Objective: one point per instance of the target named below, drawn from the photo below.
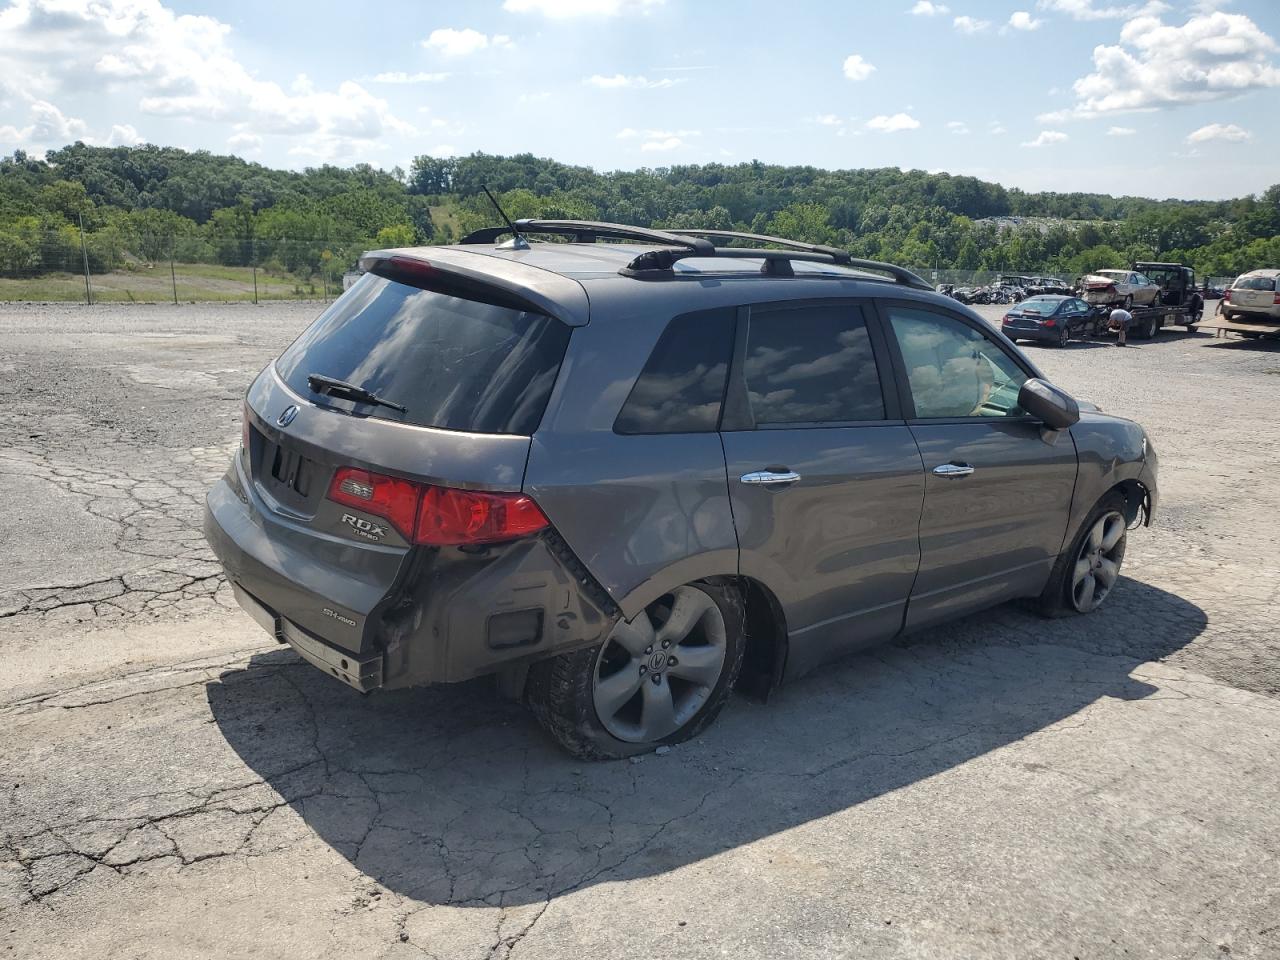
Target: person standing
(1120, 321)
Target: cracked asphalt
(174, 784)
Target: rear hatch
(333, 483)
(1254, 292)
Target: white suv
(1255, 295)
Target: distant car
(1050, 285)
(1253, 296)
(1047, 319)
(1127, 288)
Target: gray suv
(629, 470)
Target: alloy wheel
(655, 672)
(1098, 562)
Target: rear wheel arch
(765, 628)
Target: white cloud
(892, 124)
(400, 77)
(48, 127)
(1120, 131)
(828, 120)
(176, 65)
(996, 128)
(620, 81)
(1087, 10)
(443, 150)
(1021, 20)
(566, 9)
(971, 25)
(123, 135)
(462, 43)
(925, 8)
(245, 140)
(855, 68)
(958, 127)
(1220, 131)
(658, 141)
(1047, 137)
(1211, 57)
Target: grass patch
(195, 281)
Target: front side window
(812, 364)
(952, 369)
(681, 388)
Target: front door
(825, 479)
(997, 493)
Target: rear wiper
(333, 387)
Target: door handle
(770, 477)
(952, 471)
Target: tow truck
(1178, 303)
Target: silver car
(632, 471)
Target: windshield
(450, 362)
(1255, 283)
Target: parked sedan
(1049, 319)
(1126, 288)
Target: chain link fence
(107, 266)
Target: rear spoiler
(502, 283)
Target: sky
(1162, 99)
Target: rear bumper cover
(439, 615)
(1031, 333)
(364, 674)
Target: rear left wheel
(659, 678)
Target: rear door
(997, 495)
(825, 479)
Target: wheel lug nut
(672, 662)
(643, 670)
(665, 644)
(657, 678)
(648, 649)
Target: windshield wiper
(331, 386)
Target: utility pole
(173, 276)
(84, 252)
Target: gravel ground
(173, 784)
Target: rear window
(1255, 283)
(1038, 305)
(450, 362)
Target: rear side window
(681, 389)
(813, 364)
(450, 362)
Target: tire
(1063, 337)
(572, 696)
(1148, 330)
(1063, 593)
(1128, 302)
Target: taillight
(438, 516)
(1049, 322)
(389, 497)
(1005, 318)
(1226, 295)
(1276, 301)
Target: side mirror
(1056, 408)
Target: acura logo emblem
(287, 416)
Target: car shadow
(1268, 343)
(450, 796)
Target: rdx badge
(365, 528)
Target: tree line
(148, 203)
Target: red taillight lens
(1276, 301)
(1049, 322)
(438, 516)
(450, 516)
(389, 497)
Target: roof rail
(841, 257)
(694, 243)
(589, 231)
